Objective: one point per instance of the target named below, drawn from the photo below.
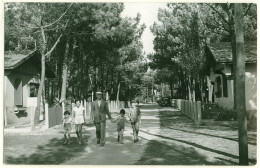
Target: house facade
(21, 82)
(220, 74)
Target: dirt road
(167, 137)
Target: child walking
(78, 119)
(121, 119)
(135, 118)
(67, 126)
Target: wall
(227, 102)
(9, 92)
(10, 79)
(18, 119)
(251, 86)
(26, 73)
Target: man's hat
(98, 92)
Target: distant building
(220, 80)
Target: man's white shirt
(99, 102)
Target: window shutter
(225, 89)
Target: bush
(214, 111)
(226, 115)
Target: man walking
(99, 110)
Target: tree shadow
(55, 152)
(251, 137)
(253, 161)
(167, 119)
(162, 153)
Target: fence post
(89, 109)
(195, 111)
(187, 107)
(85, 106)
(184, 107)
(47, 115)
(191, 111)
(199, 112)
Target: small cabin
(220, 74)
(21, 81)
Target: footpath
(167, 137)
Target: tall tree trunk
(240, 86)
(130, 91)
(64, 74)
(118, 90)
(102, 76)
(112, 82)
(107, 79)
(171, 89)
(233, 47)
(38, 109)
(189, 88)
(193, 90)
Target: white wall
(9, 92)
(226, 102)
(250, 88)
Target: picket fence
(191, 109)
(53, 116)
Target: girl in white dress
(79, 119)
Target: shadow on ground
(159, 152)
(168, 118)
(162, 153)
(52, 153)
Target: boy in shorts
(67, 126)
(135, 118)
(121, 119)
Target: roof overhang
(35, 56)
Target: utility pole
(240, 86)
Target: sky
(148, 13)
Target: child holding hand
(121, 119)
(67, 121)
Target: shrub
(226, 115)
(214, 111)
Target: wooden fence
(53, 116)
(192, 110)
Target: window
(225, 89)
(34, 89)
(218, 90)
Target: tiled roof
(222, 52)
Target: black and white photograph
(159, 83)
